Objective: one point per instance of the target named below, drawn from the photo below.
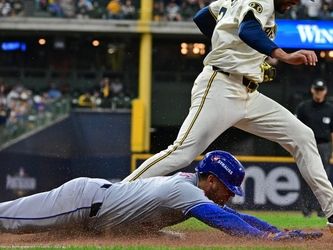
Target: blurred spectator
(39, 102)
(17, 7)
(83, 8)
(86, 100)
(98, 10)
(117, 87)
(19, 102)
(54, 92)
(170, 10)
(42, 4)
(173, 11)
(22, 110)
(128, 10)
(189, 8)
(114, 9)
(105, 87)
(55, 9)
(119, 100)
(14, 94)
(312, 8)
(3, 104)
(5, 8)
(158, 10)
(105, 92)
(327, 10)
(68, 8)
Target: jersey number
(222, 12)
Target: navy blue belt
(95, 207)
(250, 85)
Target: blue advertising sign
(306, 34)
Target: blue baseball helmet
(225, 167)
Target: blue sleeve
(205, 22)
(250, 31)
(253, 221)
(215, 216)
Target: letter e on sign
(289, 184)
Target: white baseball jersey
(220, 101)
(229, 52)
(151, 203)
(147, 204)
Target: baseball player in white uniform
(145, 205)
(225, 94)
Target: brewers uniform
(224, 95)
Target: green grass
(292, 220)
(282, 220)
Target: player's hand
(276, 236)
(307, 57)
(299, 234)
(292, 235)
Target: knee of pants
(304, 136)
(184, 160)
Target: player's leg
(325, 152)
(64, 207)
(216, 105)
(309, 202)
(268, 119)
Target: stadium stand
(23, 110)
(164, 10)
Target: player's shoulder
(185, 185)
(175, 186)
(258, 6)
(184, 177)
(182, 180)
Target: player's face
(216, 191)
(282, 6)
(318, 94)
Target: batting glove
(276, 236)
(299, 234)
(293, 235)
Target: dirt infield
(199, 239)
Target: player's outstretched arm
(307, 57)
(254, 221)
(250, 32)
(217, 217)
(214, 216)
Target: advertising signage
(305, 34)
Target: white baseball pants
(219, 102)
(65, 207)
